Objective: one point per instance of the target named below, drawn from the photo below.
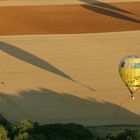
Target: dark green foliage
(28, 130)
(23, 126)
(23, 136)
(112, 136)
(27, 136)
(3, 133)
(65, 132)
(38, 137)
(4, 121)
(22, 130)
(128, 134)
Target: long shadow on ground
(109, 10)
(31, 59)
(36, 61)
(45, 106)
(106, 5)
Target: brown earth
(89, 18)
(67, 78)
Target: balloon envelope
(129, 69)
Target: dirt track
(17, 20)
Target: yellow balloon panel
(131, 77)
(132, 60)
(129, 70)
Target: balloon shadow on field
(36, 61)
(108, 10)
(48, 106)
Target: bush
(25, 126)
(22, 136)
(27, 136)
(112, 136)
(19, 129)
(65, 132)
(38, 137)
(3, 133)
(4, 121)
(128, 134)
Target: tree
(19, 129)
(4, 121)
(3, 133)
(23, 136)
(128, 134)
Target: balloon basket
(132, 97)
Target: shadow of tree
(36, 61)
(47, 106)
(106, 9)
(106, 5)
(31, 59)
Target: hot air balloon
(129, 70)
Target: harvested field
(69, 19)
(60, 63)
